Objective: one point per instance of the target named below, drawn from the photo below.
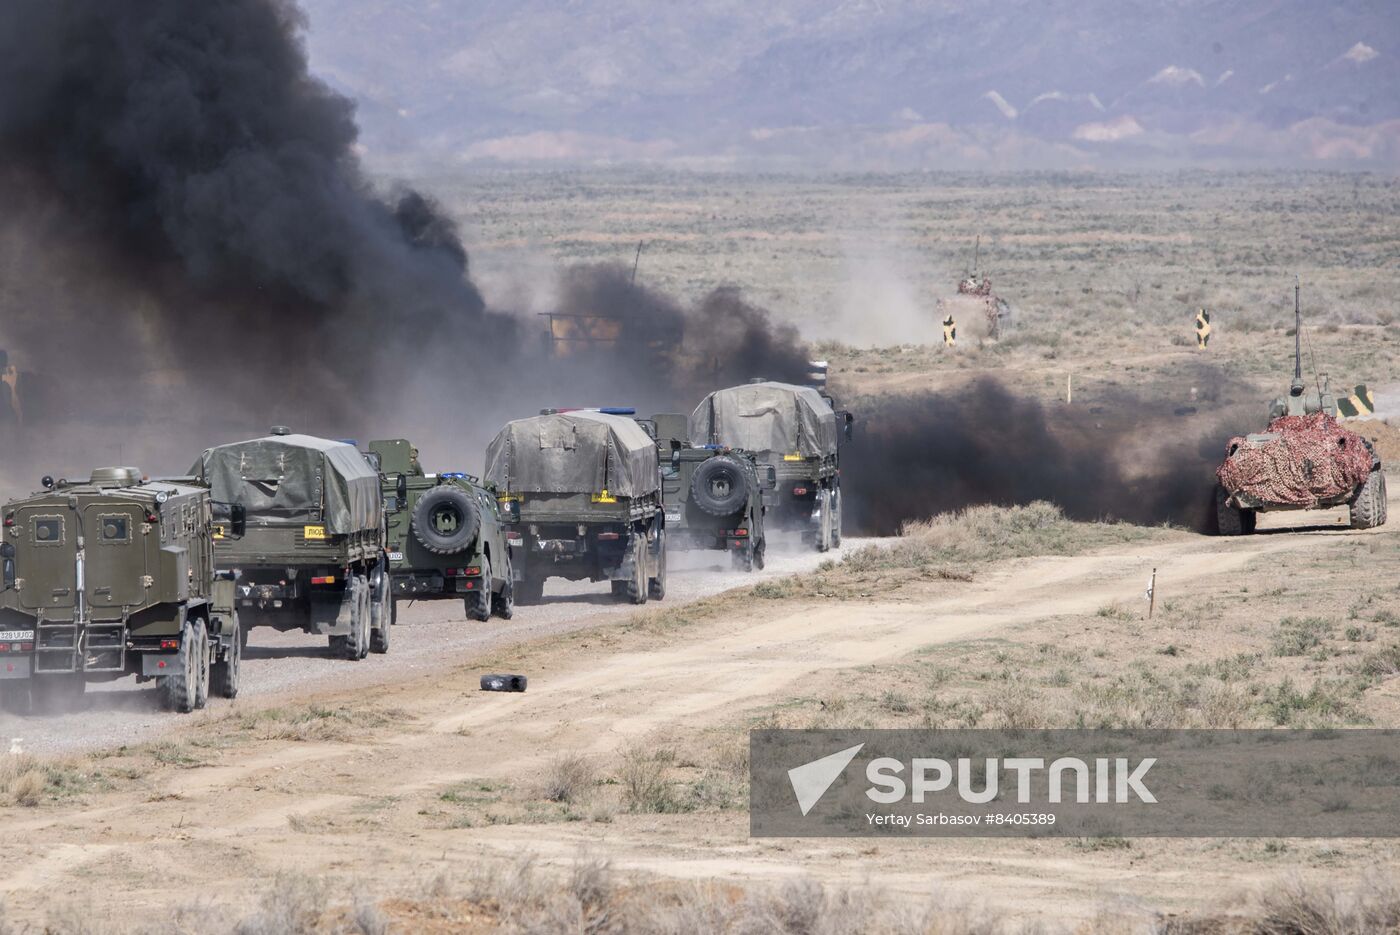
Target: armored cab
(311, 556)
(583, 491)
(444, 535)
(1303, 460)
(714, 496)
(111, 577)
(796, 431)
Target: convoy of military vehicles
(164, 579)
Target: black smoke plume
(1121, 458)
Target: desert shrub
(1296, 635)
(568, 778)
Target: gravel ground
(430, 635)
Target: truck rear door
(115, 552)
(45, 559)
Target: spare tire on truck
(719, 486)
(445, 520)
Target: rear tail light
(323, 579)
(169, 644)
(472, 571)
(799, 491)
(609, 536)
(739, 532)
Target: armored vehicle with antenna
(445, 535)
(1303, 460)
(311, 555)
(115, 576)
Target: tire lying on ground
(719, 486)
(445, 520)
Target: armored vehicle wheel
(656, 584)
(478, 602)
(529, 590)
(445, 520)
(381, 617)
(719, 486)
(1231, 520)
(1368, 507)
(504, 605)
(201, 663)
(227, 671)
(179, 691)
(58, 694)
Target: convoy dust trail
(328, 807)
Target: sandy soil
(367, 808)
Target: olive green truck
(310, 555)
(583, 491)
(110, 577)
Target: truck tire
(226, 673)
(719, 486)
(634, 589)
(445, 520)
(836, 518)
(1368, 507)
(504, 605)
(179, 691)
(824, 524)
(381, 617)
(656, 584)
(355, 645)
(58, 694)
(1231, 520)
(478, 602)
(529, 591)
(201, 667)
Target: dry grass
(569, 778)
(26, 780)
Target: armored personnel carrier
(797, 432)
(445, 536)
(311, 556)
(583, 491)
(975, 304)
(714, 496)
(115, 576)
(1303, 460)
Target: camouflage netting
(1297, 461)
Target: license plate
(673, 515)
(395, 556)
(22, 636)
(313, 532)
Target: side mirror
(7, 554)
(769, 479)
(401, 490)
(510, 509)
(849, 423)
(238, 519)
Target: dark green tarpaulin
(297, 479)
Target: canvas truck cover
(766, 417)
(574, 452)
(296, 478)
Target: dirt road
(374, 809)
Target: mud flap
(162, 664)
(332, 614)
(18, 667)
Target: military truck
(793, 429)
(1303, 460)
(115, 576)
(583, 491)
(714, 496)
(311, 555)
(445, 536)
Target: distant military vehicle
(1303, 460)
(445, 536)
(583, 488)
(714, 496)
(975, 300)
(796, 431)
(110, 577)
(311, 556)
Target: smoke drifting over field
(1129, 459)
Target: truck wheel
(656, 585)
(529, 591)
(635, 588)
(227, 672)
(201, 663)
(59, 694)
(445, 520)
(1229, 520)
(179, 691)
(824, 523)
(355, 645)
(478, 602)
(836, 518)
(381, 616)
(504, 605)
(1368, 507)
